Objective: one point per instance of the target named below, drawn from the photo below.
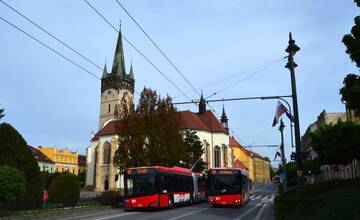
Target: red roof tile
(233, 142)
(109, 129)
(210, 121)
(190, 120)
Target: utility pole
(292, 49)
(283, 160)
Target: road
(260, 207)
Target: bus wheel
(171, 202)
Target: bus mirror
(164, 191)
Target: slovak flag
(280, 109)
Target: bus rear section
(228, 186)
(157, 187)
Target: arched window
(225, 156)
(106, 153)
(217, 156)
(109, 108)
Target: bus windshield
(225, 184)
(140, 185)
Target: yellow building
(257, 166)
(65, 160)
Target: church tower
(117, 87)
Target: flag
(280, 109)
(277, 154)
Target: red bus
(157, 186)
(228, 186)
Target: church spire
(105, 71)
(118, 67)
(131, 72)
(224, 120)
(202, 104)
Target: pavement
(260, 207)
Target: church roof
(118, 67)
(189, 120)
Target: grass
(330, 201)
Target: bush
(48, 178)
(15, 152)
(110, 198)
(12, 183)
(65, 190)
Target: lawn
(329, 201)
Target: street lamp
(291, 65)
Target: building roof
(81, 160)
(189, 120)
(39, 156)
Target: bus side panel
(180, 197)
(163, 200)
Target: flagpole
(283, 160)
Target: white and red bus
(158, 186)
(228, 186)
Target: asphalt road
(260, 207)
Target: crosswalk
(263, 198)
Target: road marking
(248, 211)
(89, 215)
(259, 214)
(257, 197)
(115, 216)
(189, 213)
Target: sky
(52, 102)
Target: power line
(237, 74)
(157, 47)
(48, 47)
(51, 35)
(53, 50)
(137, 50)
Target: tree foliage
(351, 90)
(65, 189)
(149, 135)
(12, 183)
(15, 152)
(194, 151)
(338, 143)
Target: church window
(106, 150)
(217, 156)
(109, 108)
(225, 156)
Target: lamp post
(283, 161)
(291, 50)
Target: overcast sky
(51, 102)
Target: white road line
(257, 197)
(259, 214)
(115, 216)
(89, 215)
(189, 213)
(248, 211)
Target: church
(117, 89)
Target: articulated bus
(228, 186)
(158, 186)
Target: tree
(351, 90)
(2, 113)
(15, 152)
(65, 189)
(149, 135)
(194, 150)
(338, 143)
(12, 183)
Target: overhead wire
(137, 50)
(157, 47)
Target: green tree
(15, 152)
(351, 90)
(149, 135)
(65, 189)
(194, 150)
(81, 176)
(338, 143)
(12, 183)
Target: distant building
(324, 118)
(82, 163)
(65, 160)
(45, 163)
(258, 166)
